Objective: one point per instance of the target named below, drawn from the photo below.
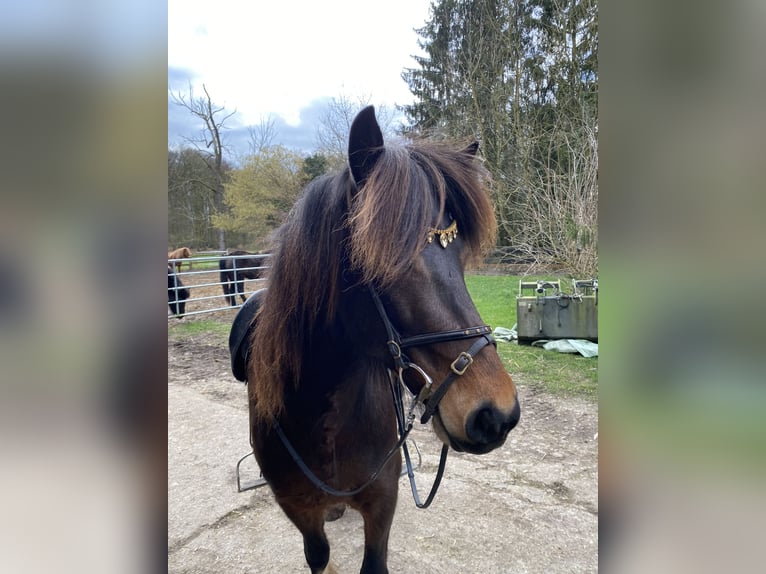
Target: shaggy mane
(376, 231)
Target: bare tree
(261, 136)
(190, 199)
(210, 142)
(559, 215)
(335, 124)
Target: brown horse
(366, 295)
(180, 253)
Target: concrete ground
(529, 507)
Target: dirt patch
(530, 506)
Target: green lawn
(561, 373)
(192, 326)
(202, 265)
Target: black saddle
(239, 336)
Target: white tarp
(584, 347)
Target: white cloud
(266, 58)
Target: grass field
(495, 298)
(196, 326)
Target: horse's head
(419, 214)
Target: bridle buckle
(459, 370)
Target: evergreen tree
(314, 166)
(521, 76)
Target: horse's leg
(310, 522)
(378, 509)
(232, 298)
(241, 290)
(225, 286)
(174, 296)
(228, 288)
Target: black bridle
(396, 344)
(430, 400)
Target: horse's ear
(471, 149)
(365, 145)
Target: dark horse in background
(234, 271)
(177, 293)
(366, 294)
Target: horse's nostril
(488, 425)
(485, 425)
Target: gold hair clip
(446, 236)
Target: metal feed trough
(543, 311)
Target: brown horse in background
(366, 296)
(180, 253)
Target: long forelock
(391, 215)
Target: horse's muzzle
(487, 428)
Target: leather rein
(425, 397)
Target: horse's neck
(348, 352)
(341, 359)
(337, 400)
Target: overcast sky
(285, 59)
